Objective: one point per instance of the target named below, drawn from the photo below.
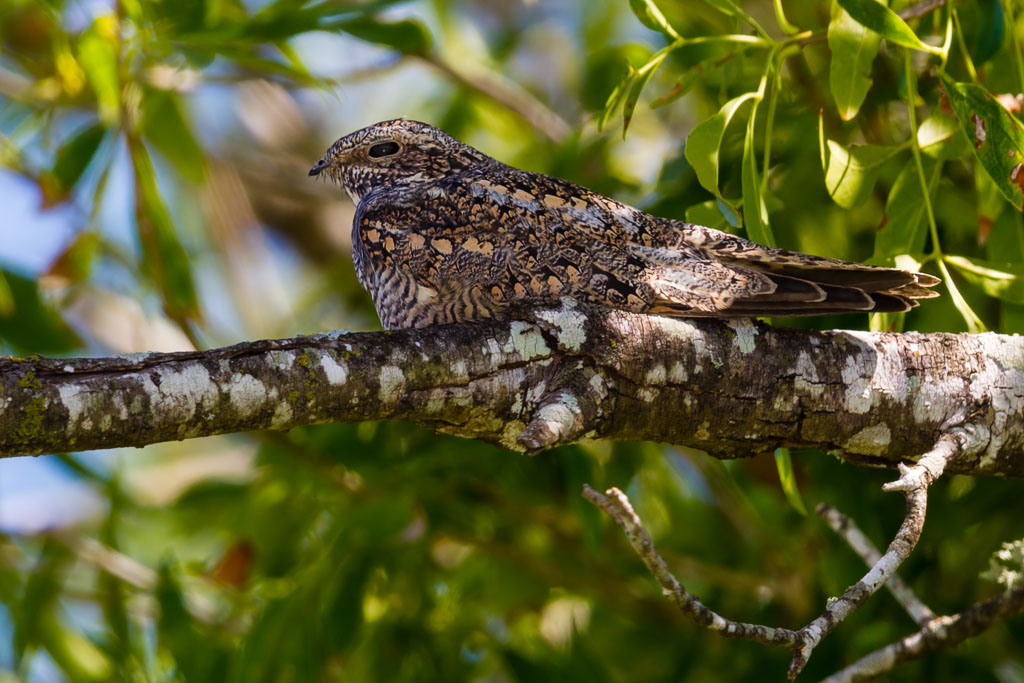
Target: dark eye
(383, 149)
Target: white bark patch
(436, 401)
(745, 333)
(283, 360)
(657, 375)
(806, 380)
(871, 440)
(678, 374)
(247, 394)
(335, 372)
(527, 341)
(936, 399)
(392, 381)
(74, 396)
(889, 375)
(859, 397)
(459, 370)
(1003, 379)
(570, 325)
(282, 416)
(560, 415)
(181, 392)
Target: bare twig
(507, 93)
(615, 503)
(849, 532)
(913, 482)
(130, 571)
(940, 633)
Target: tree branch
(913, 482)
(553, 375)
(849, 532)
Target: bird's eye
(383, 149)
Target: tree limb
(553, 375)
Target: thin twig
(508, 94)
(846, 529)
(615, 503)
(130, 571)
(913, 482)
(941, 633)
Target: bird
(444, 233)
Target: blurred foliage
(177, 134)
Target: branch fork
(913, 482)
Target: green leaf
(7, 306)
(651, 17)
(707, 214)
(755, 211)
(989, 30)
(28, 324)
(704, 141)
(784, 465)
(164, 256)
(904, 229)
(72, 160)
(408, 36)
(1000, 280)
(639, 80)
(611, 105)
(940, 136)
(163, 124)
(974, 324)
(852, 173)
(997, 137)
(883, 21)
(98, 55)
(853, 50)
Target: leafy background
(154, 156)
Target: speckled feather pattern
(443, 233)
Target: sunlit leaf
(852, 173)
(408, 36)
(755, 211)
(997, 137)
(704, 141)
(73, 158)
(615, 99)
(1001, 280)
(30, 325)
(787, 478)
(853, 50)
(883, 21)
(974, 323)
(165, 257)
(651, 17)
(98, 55)
(639, 80)
(164, 125)
(707, 214)
(904, 229)
(940, 136)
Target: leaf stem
(1014, 42)
(962, 44)
(915, 149)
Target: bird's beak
(319, 166)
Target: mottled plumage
(444, 233)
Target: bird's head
(393, 153)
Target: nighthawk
(444, 233)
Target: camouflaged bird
(444, 233)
